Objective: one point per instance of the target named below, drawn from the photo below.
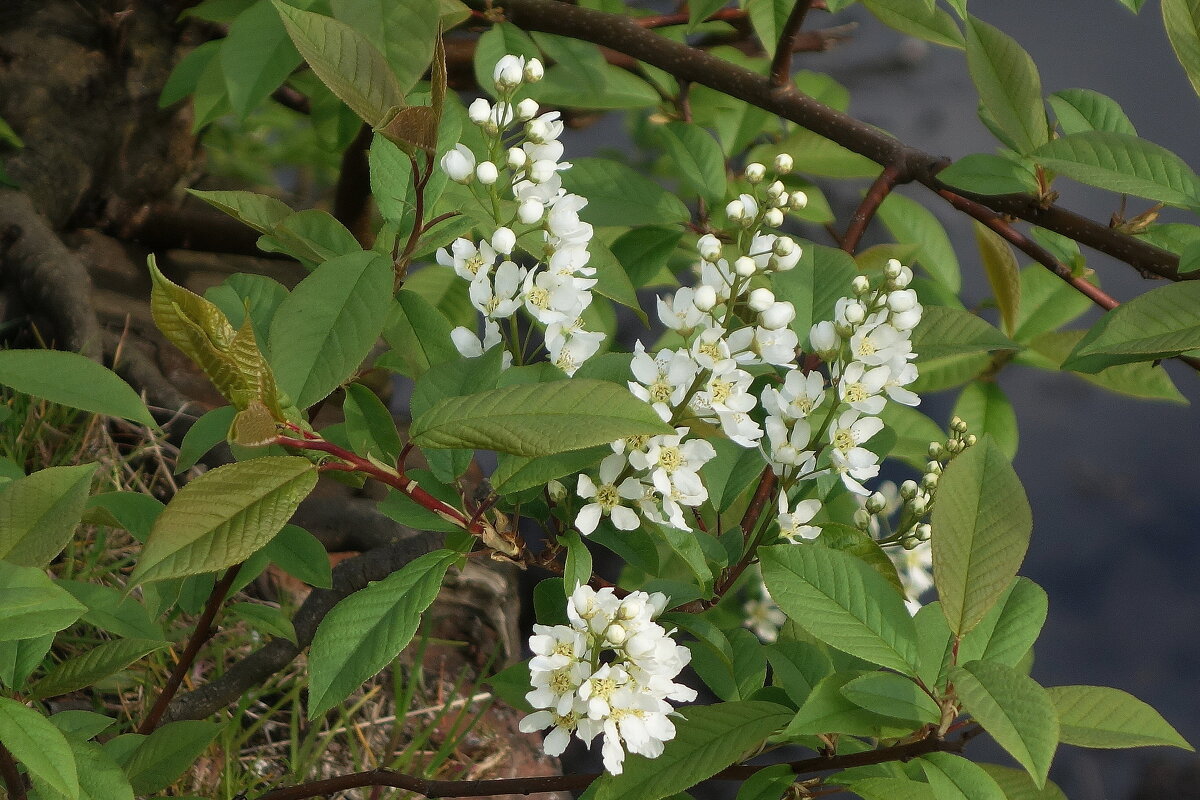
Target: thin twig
(781, 65)
(203, 632)
(865, 212)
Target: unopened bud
(908, 490)
(516, 158)
(503, 240)
(971, 440)
(776, 189)
(761, 299)
(773, 218)
(934, 467)
(783, 246)
(705, 297)
(615, 633)
(855, 313)
(910, 542)
(861, 284)
(755, 172)
(735, 210)
(487, 173)
(556, 490)
(903, 279)
(479, 111)
(958, 425)
(527, 109)
(530, 211)
(936, 450)
(929, 481)
(955, 446)
(509, 72)
(919, 505)
(862, 519)
(783, 163)
(745, 266)
(892, 269)
(876, 502)
(778, 315)
(902, 300)
(709, 247)
(537, 131)
(799, 200)
(923, 532)
(534, 71)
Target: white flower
(789, 445)
(709, 247)
(509, 72)
(776, 345)
(779, 315)
(852, 462)
(763, 617)
(793, 524)
(459, 163)
(467, 259)
(800, 395)
(480, 111)
(487, 173)
(469, 345)
(498, 299)
(916, 569)
(860, 388)
(662, 380)
(570, 345)
(674, 465)
(680, 313)
(553, 298)
(878, 343)
(824, 339)
(607, 498)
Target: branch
(250, 672)
(624, 34)
(166, 227)
(557, 783)
(352, 195)
(203, 632)
(874, 198)
(781, 65)
(14, 784)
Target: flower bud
(503, 240)
(755, 172)
(556, 490)
(919, 505)
(516, 158)
(936, 450)
(906, 320)
(705, 297)
(955, 446)
(658, 603)
(761, 299)
(542, 170)
(783, 246)
(735, 210)
(902, 300)
(527, 109)
(459, 164)
(929, 481)
(971, 440)
(779, 315)
(862, 519)
(903, 279)
(709, 247)
(487, 173)
(908, 490)
(509, 72)
(615, 633)
(958, 425)
(855, 313)
(777, 189)
(783, 163)
(537, 131)
(773, 218)
(923, 532)
(892, 269)
(745, 266)
(799, 200)
(534, 71)
(823, 337)
(530, 211)
(934, 467)
(860, 285)
(479, 111)
(876, 502)
(910, 542)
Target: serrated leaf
(311, 236)
(983, 523)
(985, 173)
(518, 473)
(369, 424)
(1097, 716)
(185, 76)
(266, 619)
(797, 667)
(612, 281)
(709, 739)
(224, 516)
(39, 513)
(537, 419)
(1047, 303)
(768, 783)
(1181, 18)
(618, 195)
(258, 211)
(1137, 379)
(1003, 274)
(1013, 709)
(827, 710)
(31, 605)
(914, 431)
(328, 324)
(881, 788)
(945, 331)
(419, 334)
(256, 57)
(1161, 323)
(363, 633)
(94, 665)
(923, 20)
(768, 18)
(160, 758)
(19, 658)
(72, 380)
(1008, 84)
(986, 409)
(697, 158)
(1080, 110)
(41, 747)
(891, 695)
(1121, 162)
(345, 61)
(911, 223)
(402, 31)
(843, 602)
(1010, 628)
(109, 609)
(955, 778)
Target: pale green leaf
(100, 778)
(517, 473)
(1161, 323)
(256, 57)
(843, 602)
(892, 695)
(204, 434)
(369, 424)
(814, 286)
(955, 778)
(109, 609)
(1181, 18)
(301, 555)
(1080, 110)
(419, 334)
(986, 409)
(258, 211)
(914, 431)
(1047, 303)
(1121, 162)
(266, 619)
(881, 788)
(21, 657)
(402, 30)
(945, 331)
(1003, 274)
(31, 605)
(1013, 709)
(911, 223)
(1010, 628)
(1008, 84)
(577, 570)
(1017, 784)
(1136, 379)
(983, 524)
(919, 19)
(186, 75)
(96, 664)
(697, 158)
(364, 632)
(768, 18)
(38, 513)
(1097, 716)
(984, 173)
(39, 746)
(224, 516)
(72, 380)
(828, 710)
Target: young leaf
(892, 695)
(1161, 323)
(159, 759)
(1013, 709)
(986, 409)
(1008, 83)
(911, 223)
(224, 516)
(618, 195)
(1097, 716)
(1010, 628)
(827, 710)
(1003, 274)
(537, 419)
(1181, 18)
(709, 739)
(955, 778)
(578, 568)
(1080, 110)
(312, 236)
(41, 747)
(328, 324)
(365, 631)
(843, 602)
(94, 665)
(70, 379)
(1121, 162)
(945, 331)
(369, 424)
(31, 605)
(38, 513)
(983, 523)
(517, 473)
(985, 173)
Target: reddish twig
(766, 486)
(203, 632)
(781, 65)
(684, 17)
(865, 212)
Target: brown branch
(625, 35)
(14, 784)
(166, 227)
(874, 198)
(558, 783)
(781, 65)
(352, 195)
(203, 632)
(291, 98)
(684, 17)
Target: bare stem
(871, 202)
(781, 65)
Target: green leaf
(986, 409)
(369, 424)
(109, 609)
(79, 724)
(1161, 323)
(100, 778)
(1097, 716)
(406, 511)
(935, 645)
(955, 778)
(892, 695)
(577, 570)
(814, 286)
(204, 434)
(945, 331)
(697, 156)
(985, 173)
(41, 747)
(914, 431)
(644, 252)
(537, 419)
(702, 10)
(185, 76)
(983, 524)
(882, 788)
(301, 555)
(768, 783)
(1002, 272)
(160, 758)
(266, 619)
(256, 58)
(612, 281)
(363, 633)
(1008, 83)
(38, 513)
(94, 665)
(911, 223)
(328, 324)
(1013, 709)
(1017, 784)
(618, 195)
(346, 62)
(922, 20)
(843, 602)
(1047, 303)
(72, 380)
(419, 334)
(862, 546)
(31, 605)
(768, 18)
(1121, 162)
(1137, 379)
(403, 30)
(1081, 110)
(1009, 629)
(518, 473)
(258, 211)
(709, 739)
(312, 236)
(1181, 18)
(827, 710)
(797, 667)
(224, 516)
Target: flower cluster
(521, 184)
(610, 672)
